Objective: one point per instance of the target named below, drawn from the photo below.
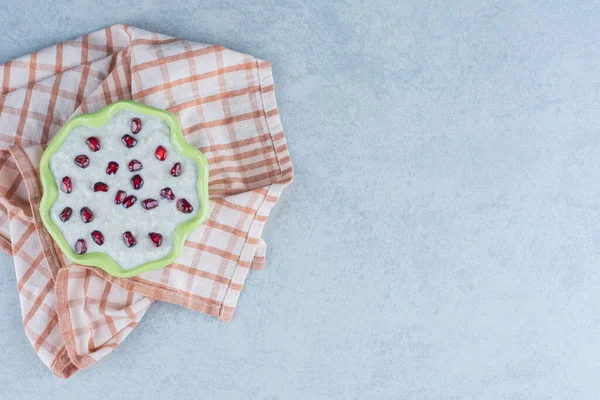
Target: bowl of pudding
(123, 189)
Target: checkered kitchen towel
(74, 315)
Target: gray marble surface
(441, 239)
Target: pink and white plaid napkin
(225, 101)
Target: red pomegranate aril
(112, 167)
(149, 204)
(129, 239)
(93, 143)
(98, 238)
(100, 187)
(184, 206)
(128, 141)
(66, 185)
(86, 215)
(129, 201)
(156, 238)
(176, 170)
(80, 247)
(66, 214)
(167, 194)
(160, 153)
(136, 125)
(82, 161)
(120, 196)
(137, 182)
(135, 165)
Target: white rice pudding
(111, 219)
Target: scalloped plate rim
(50, 189)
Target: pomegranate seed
(129, 239)
(176, 170)
(80, 247)
(136, 125)
(135, 165)
(149, 204)
(86, 215)
(137, 182)
(98, 238)
(66, 185)
(66, 214)
(160, 153)
(156, 238)
(112, 167)
(82, 161)
(184, 206)
(121, 194)
(93, 143)
(129, 201)
(128, 141)
(100, 187)
(167, 194)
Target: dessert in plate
(122, 188)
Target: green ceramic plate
(102, 260)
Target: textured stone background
(441, 239)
